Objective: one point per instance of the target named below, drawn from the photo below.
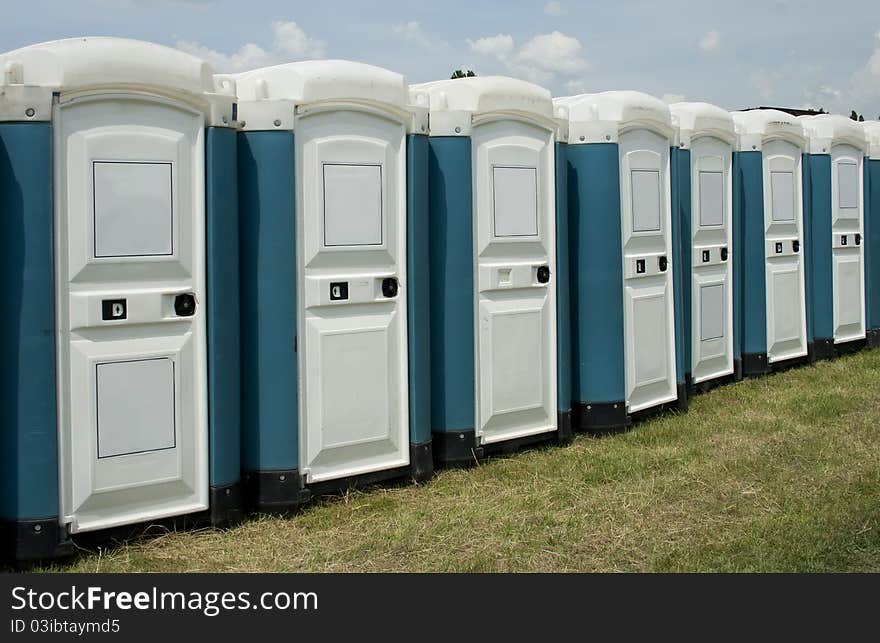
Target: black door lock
(389, 287)
(723, 254)
(640, 266)
(796, 245)
(185, 305)
(662, 263)
(706, 256)
(843, 240)
(543, 274)
(858, 239)
(779, 248)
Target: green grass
(773, 474)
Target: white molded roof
(872, 132)
(703, 118)
(487, 94)
(627, 108)
(314, 81)
(834, 129)
(78, 63)
(768, 123)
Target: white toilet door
(784, 252)
(646, 227)
(515, 265)
(711, 259)
(129, 179)
(847, 243)
(351, 257)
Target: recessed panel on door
(515, 303)
(129, 177)
(351, 253)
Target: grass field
(774, 474)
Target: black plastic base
(600, 417)
(681, 402)
(564, 432)
(811, 353)
(852, 346)
(274, 491)
(227, 505)
(30, 541)
(737, 370)
(421, 461)
(456, 449)
(361, 481)
(823, 348)
(754, 364)
(872, 339)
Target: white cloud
(414, 33)
(542, 59)
(289, 42)
(710, 42)
(553, 8)
(499, 46)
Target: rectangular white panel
(782, 193)
(517, 345)
(651, 337)
(515, 201)
(135, 407)
(848, 184)
(847, 295)
(133, 214)
(711, 312)
(354, 402)
(352, 205)
(645, 200)
(711, 198)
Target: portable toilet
(496, 275)
(332, 179)
(836, 149)
(769, 200)
(872, 232)
(622, 258)
(119, 233)
(704, 159)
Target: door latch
(543, 274)
(389, 287)
(114, 309)
(858, 239)
(706, 256)
(662, 263)
(796, 245)
(185, 305)
(778, 248)
(723, 254)
(843, 240)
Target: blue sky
(735, 54)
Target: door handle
(723, 254)
(662, 263)
(389, 287)
(796, 245)
(543, 274)
(858, 239)
(185, 305)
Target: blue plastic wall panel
(224, 363)
(736, 253)
(596, 273)
(680, 176)
(749, 182)
(268, 301)
(808, 245)
(419, 290)
(451, 283)
(872, 241)
(563, 294)
(820, 284)
(28, 414)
